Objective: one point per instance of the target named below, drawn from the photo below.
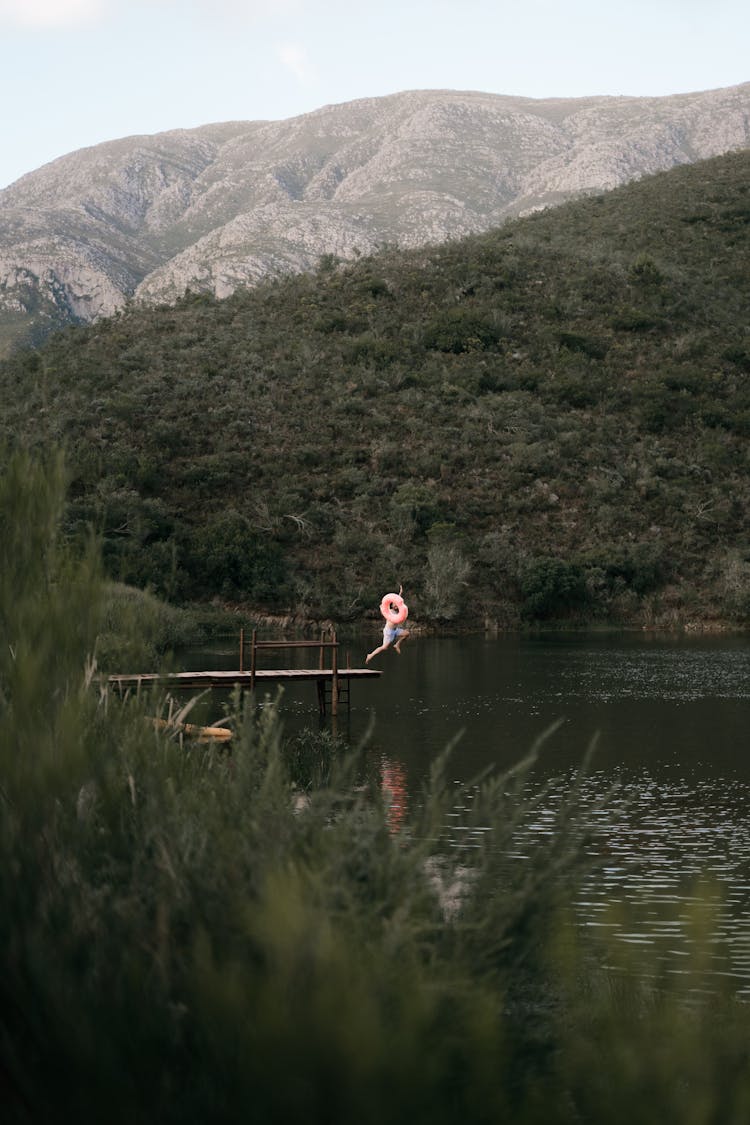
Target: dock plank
(219, 678)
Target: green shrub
(551, 588)
(641, 566)
(137, 629)
(586, 345)
(228, 556)
(460, 330)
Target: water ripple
(651, 843)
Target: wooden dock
(330, 681)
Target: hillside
(225, 205)
(546, 421)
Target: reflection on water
(670, 716)
(393, 780)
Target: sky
(75, 73)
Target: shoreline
(298, 623)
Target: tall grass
(137, 629)
(184, 940)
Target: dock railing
(256, 646)
(326, 673)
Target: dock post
(335, 679)
(242, 650)
(253, 659)
(321, 684)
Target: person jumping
(395, 611)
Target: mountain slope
(224, 205)
(549, 420)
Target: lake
(669, 715)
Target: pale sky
(78, 72)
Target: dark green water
(670, 717)
(664, 705)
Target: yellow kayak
(203, 734)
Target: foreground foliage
(191, 936)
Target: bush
(640, 567)
(229, 558)
(586, 345)
(460, 330)
(551, 588)
(137, 629)
(447, 574)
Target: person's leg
(403, 635)
(388, 638)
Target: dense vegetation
(190, 936)
(548, 421)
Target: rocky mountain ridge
(224, 205)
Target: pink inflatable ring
(394, 609)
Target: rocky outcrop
(224, 205)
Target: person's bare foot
(397, 648)
(368, 658)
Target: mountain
(548, 420)
(221, 206)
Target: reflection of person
(394, 791)
(393, 634)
